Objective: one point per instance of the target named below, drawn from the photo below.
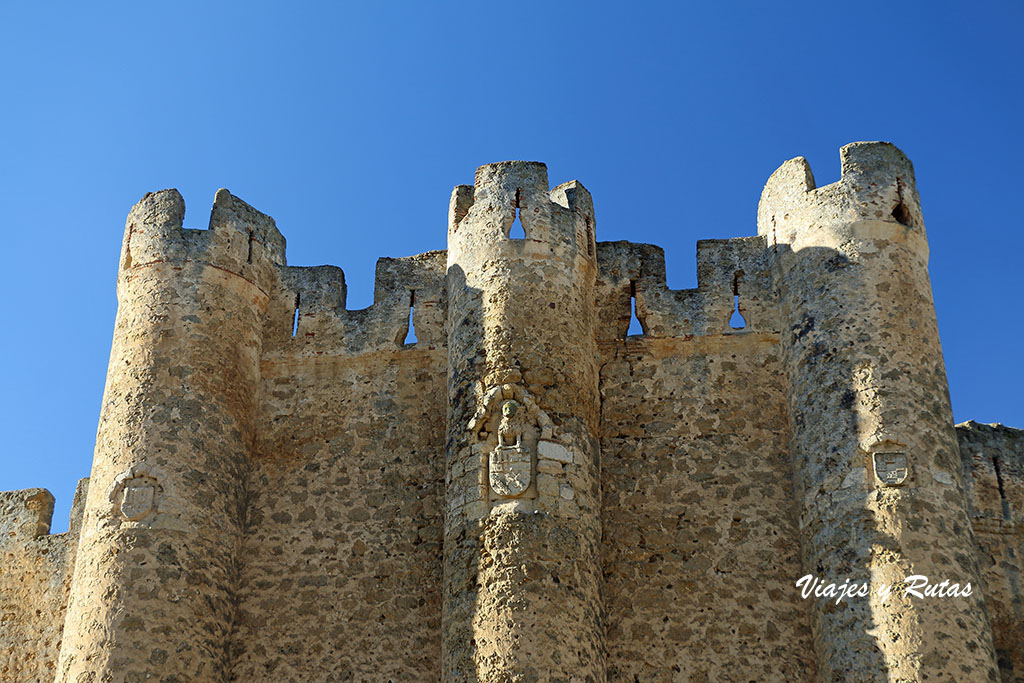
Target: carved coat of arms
(138, 498)
(891, 468)
(506, 430)
(510, 464)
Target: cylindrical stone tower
(522, 579)
(153, 589)
(878, 475)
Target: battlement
(308, 316)
(307, 313)
(239, 239)
(730, 273)
(552, 219)
(877, 185)
(519, 183)
(27, 514)
(993, 464)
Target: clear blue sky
(351, 122)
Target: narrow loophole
(516, 231)
(590, 236)
(1002, 491)
(410, 335)
(248, 259)
(737, 321)
(636, 326)
(295, 317)
(128, 247)
(902, 214)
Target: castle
(285, 490)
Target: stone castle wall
(343, 544)
(285, 489)
(993, 466)
(696, 479)
(34, 581)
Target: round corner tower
(522, 527)
(879, 487)
(153, 589)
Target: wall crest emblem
(134, 496)
(507, 427)
(138, 498)
(891, 468)
(888, 458)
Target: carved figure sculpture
(511, 462)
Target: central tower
(522, 578)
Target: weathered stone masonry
(284, 489)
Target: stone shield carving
(138, 498)
(506, 430)
(510, 465)
(891, 468)
(134, 497)
(510, 469)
